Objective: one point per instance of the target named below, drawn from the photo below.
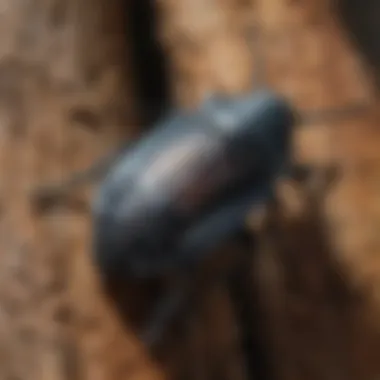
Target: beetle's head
(261, 122)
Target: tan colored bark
(64, 102)
(66, 97)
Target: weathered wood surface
(66, 97)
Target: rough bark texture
(66, 97)
(64, 102)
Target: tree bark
(67, 96)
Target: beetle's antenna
(306, 117)
(258, 79)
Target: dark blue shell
(189, 168)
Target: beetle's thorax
(255, 127)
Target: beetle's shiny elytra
(158, 190)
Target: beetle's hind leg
(169, 306)
(249, 314)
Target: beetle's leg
(165, 310)
(245, 300)
(46, 196)
(222, 223)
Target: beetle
(185, 188)
(177, 176)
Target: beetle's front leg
(46, 196)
